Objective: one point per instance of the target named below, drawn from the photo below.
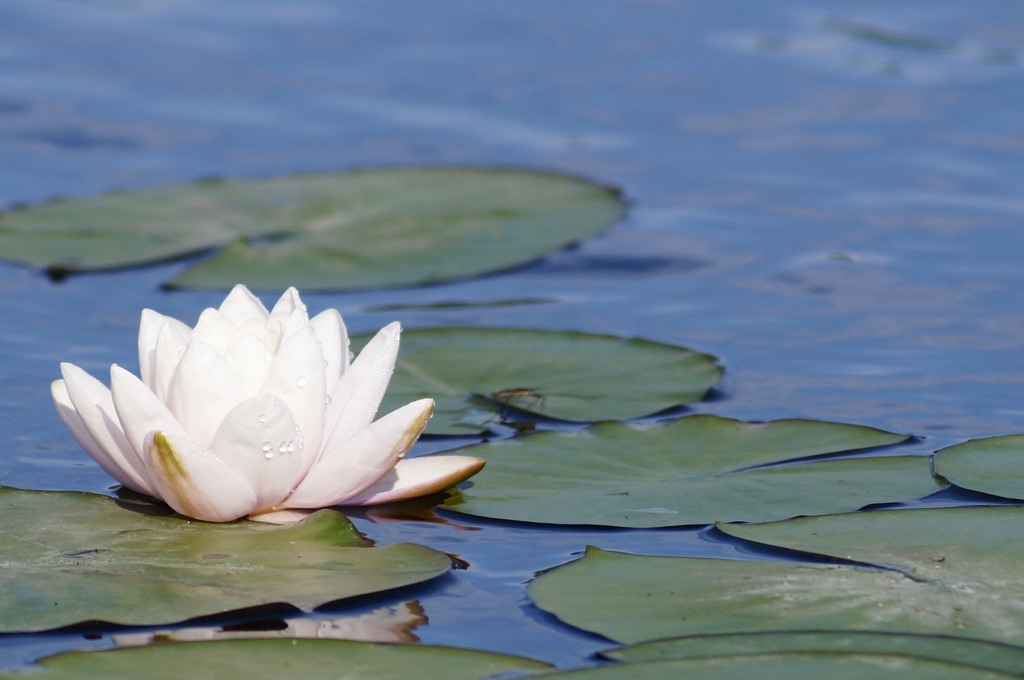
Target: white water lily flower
(257, 413)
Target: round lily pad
(961, 580)
(973, 548)
(71, 557)
(808, 665)
(980, 653)
(274, 659)
(993, 465)
(694, 470)
(319, 231)
(476, 375)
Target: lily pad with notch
(270, 659)
(939, 581)
(794, 666)
(992, 465)
(476, 375)
(72, 557)
(345, 230)
(996, 656)
(694, 470)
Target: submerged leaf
(70, 557)
(327, 231)
(694, 470)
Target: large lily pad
(274, 659)
(808, 665)
(980, 653)
(72, 557)
(325, 231)
(975, 549)
(477, 374)
(631, 599)
(994, 465)
(694, 470)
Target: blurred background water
(826, 195)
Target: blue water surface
(827, 195)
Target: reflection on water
(384, 624)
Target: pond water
(826, 196)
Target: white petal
(268, 333)
(196, 483)
(241, 305)
(170, 345)
(281, 516)
(215, 329)
(356, 397)
(355, 464)
(139, 410)
(110, 448)
(288, 303)
(297, 321)
(150, 327)
(297, 377)
(249, 359)
(202, 392)
(414, 477)
(330, 331)
(261, 442)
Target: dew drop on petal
(268, 455)
(266, 447)
(301, 381)
(262, 418)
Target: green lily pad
(694, 470)
(477, 374)
(323, 231)
(273, 659)
(631, 599)
(994, 465)
(812, 666)
(973, 549)
(980, 653)
(951, 572)
(71, 557)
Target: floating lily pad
(694, 470)
(994, 465)
(958, 576)
(974, 549)
(71, 557)
(809, 666)
(477, 374)
(980, 653)
(274, 659)
(963, 585)
(323, 231)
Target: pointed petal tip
(194, 482)
(416, 427)
(416, 477)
